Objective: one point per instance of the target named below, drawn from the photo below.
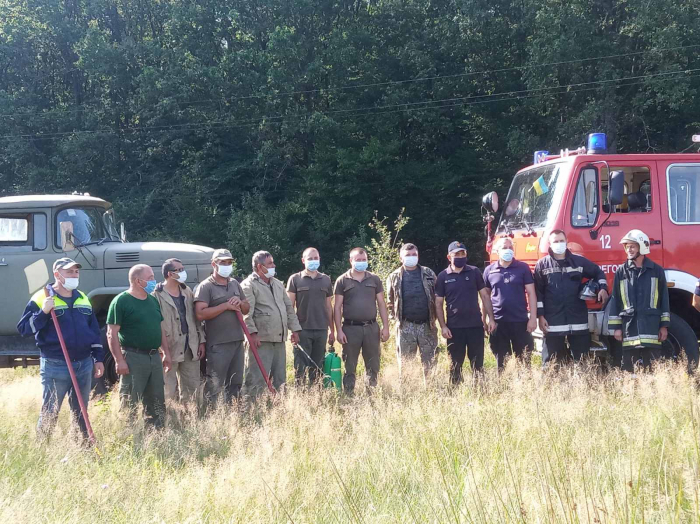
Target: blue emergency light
(540, 156)
(597, 143)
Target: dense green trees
(280, 123)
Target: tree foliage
(276, 124)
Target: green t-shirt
(139, 320)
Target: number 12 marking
(605, 242)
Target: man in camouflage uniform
(411, 302)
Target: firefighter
(562, 313)
(639, 311)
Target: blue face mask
(360, 266)
(506, 255)
(150, 286)
(312, 265)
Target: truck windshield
(531, 199)
(89, 225)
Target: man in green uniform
(139, 345)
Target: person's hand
(294, 337)
(618, 335)
(122, 367)
(544, 326)
(48, 305)
(167, 362)
(99, 369)
(255, 341)
(234, 304)
(602, 295)
(491, 326)
(341, 337)
(331, 338)
(532, 324)
(663, 334)
(446, 332)
(384, 335)
(201, 351)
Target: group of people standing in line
(160, 333)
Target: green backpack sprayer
(332, 367)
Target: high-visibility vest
(60, 305)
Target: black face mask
(459, 262)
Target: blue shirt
(460, 291)
(507, 285)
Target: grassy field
(525, 447)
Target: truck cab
(37, 230)
(659, 194)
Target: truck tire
(681, 339)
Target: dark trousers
(555, 348)
(313, 342)
(636, 356)
(465, 342)
(511, 338)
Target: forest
(278, 124)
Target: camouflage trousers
(412, 337)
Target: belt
(139, 350)
(358, 322)
(415, 321)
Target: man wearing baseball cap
(216, 301)
(458, 288)
(81, 333)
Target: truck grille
(130, 258)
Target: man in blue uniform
(81, 333)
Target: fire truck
(596, 198)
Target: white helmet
(639, 237)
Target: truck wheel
(681, 338)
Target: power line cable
(387, 83)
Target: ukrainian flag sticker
(540, 186)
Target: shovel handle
(254, 350)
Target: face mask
(224, 271)
(558, 248)
(459, 262)
(507, 255)
(182, 277)
(312, 265)
(150, 286)
(270, 272)
(360, 266)
(70, 283)
(410, 261)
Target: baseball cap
(65, 263)
(221, 254)
(456, 246)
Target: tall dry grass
(525, 447)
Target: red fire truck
(596, 198)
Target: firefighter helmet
(639, 237)
(589, 291)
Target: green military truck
(36, 230)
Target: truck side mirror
(616, 188)
(122, 232)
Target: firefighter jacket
(79, 327)
(558, 284)
(271, 313)
(395, 299)
(639, 305)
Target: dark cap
(65, 263)
(456, 246)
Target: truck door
(23, 268)
(640, 209)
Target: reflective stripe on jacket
(558, 284)
(640, 304)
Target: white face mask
(558, 248)
(71, 283)
(270, 272)
(410, 261)
(224, 271)
(182, 277)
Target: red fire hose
(254, 350)
(48, 290)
